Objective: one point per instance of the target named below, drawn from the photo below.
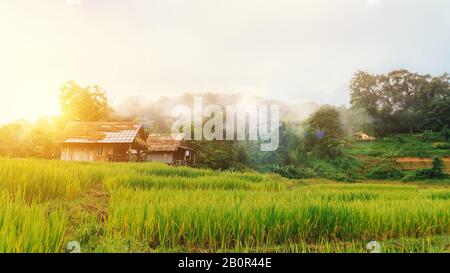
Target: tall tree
(401, 101)
(83, 103)
(324, 133)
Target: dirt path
(87, 215)
(95, 201)
(418, 159)
(413, 163)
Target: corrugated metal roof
(100, 132)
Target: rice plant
(147, 207)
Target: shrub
(442, 146)
(339, 170)
(293, 172)
(384, 169)
(429, 135)
(438, 165)
(445, 133)
(436, 172)
(399, 139)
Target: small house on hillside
(102, 141)
(363, 136)
(170, 150)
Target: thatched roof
(102, 132)
(165, 143)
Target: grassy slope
(151, 207)
(405, 145)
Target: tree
(436, 113)
(355, 120)
(24, 139)
(40, 140)
(83, 103)
(445, 132)
(401, 101)
(218, 154)
(13, 137)
(324, 133)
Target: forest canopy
(401, 101)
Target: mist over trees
(224, 154)
(381, 105)
(401, 101)
(156, 113)
(25, 139)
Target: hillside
(401, 145)
(411, 151)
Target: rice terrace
(151, 207)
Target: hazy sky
(285, 49)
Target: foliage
(355, 120)
(243, 155)
(401, 101)
(293, 172)
(403, 145)
(442, 146)
(445, 132)
(383, 168)
(435, 172)
(84, 103)
(314, 148)
(438, 165)
(23, 139)
(324, 133)
(217, 154)
(341, 169)
(429, 136)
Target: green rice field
(150, 207)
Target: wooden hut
(169, 149)
(102, 141)
(363, 136)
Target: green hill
(403, 145)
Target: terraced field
(147, 207)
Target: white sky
(286, 49)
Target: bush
(342, 169)
(436, 172)
(399, 139)
(383, 169)
(442, 146)
(445, 133)
(429, 135)
(293, 172)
